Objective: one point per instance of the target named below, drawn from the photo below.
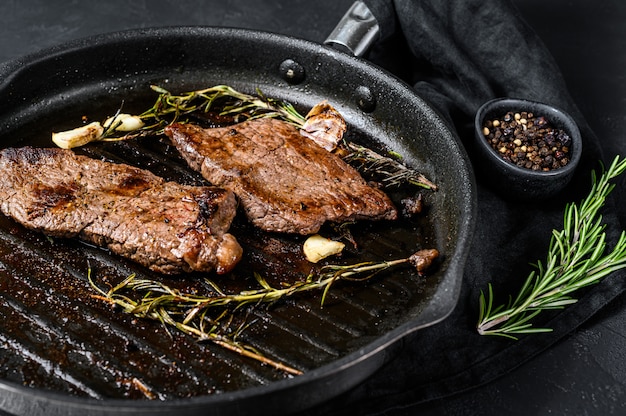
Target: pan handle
(356, 31)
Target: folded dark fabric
(458, 55)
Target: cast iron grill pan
(62, 349)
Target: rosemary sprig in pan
(576, 258)
(393, 173)
(169, 108)
(189, 313)
(164, 304)
(250, 107)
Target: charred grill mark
(206, 203)
(52, 197)
(132, 184)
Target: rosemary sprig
(393, 172)
(576, 258)
(164, 304)
(189, 313)
(169, 108)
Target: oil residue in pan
(55, 335)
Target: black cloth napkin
(457, 55)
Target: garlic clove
(317, 248)
(324, 125)
(79, 136)
(124, 122)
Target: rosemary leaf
(576, 258)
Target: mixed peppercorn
(528, 141)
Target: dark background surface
(585, 374)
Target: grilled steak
(165, 226)
(284, 181)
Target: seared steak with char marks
(165, 226)
(284, 181)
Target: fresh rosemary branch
(189, 313)
(576, 258)
(393, 173)
(164, 304)
(169, 108)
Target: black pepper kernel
(528, 141)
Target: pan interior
(56, 336)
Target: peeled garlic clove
(79, 136)
(124, 122)
(317, 248)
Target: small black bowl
(521, 183)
